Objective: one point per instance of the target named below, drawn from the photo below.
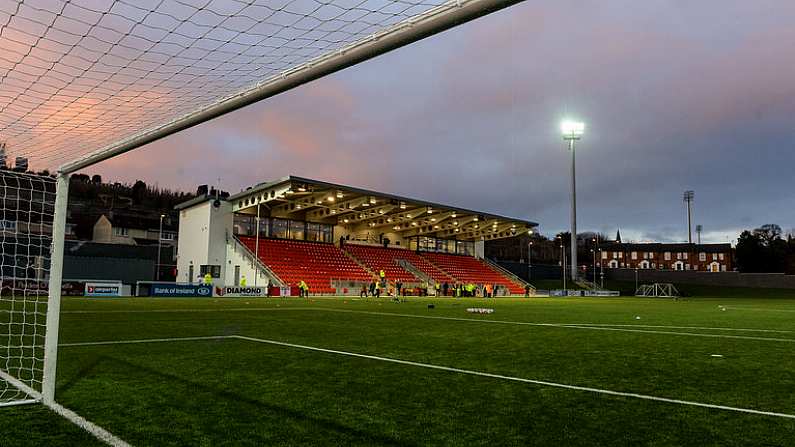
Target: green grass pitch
(232, 391)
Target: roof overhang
(357, 208)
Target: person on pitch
(243, 281)
(208, 279)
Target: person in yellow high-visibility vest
(437, 286)
(208, 279)
(243, 281)
(303, 289)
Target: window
(620, 255)
(244, 224)
(714, 256)
(720, 256)
(297, 229)
(684, 255)
(702, 256)
(604, 255)
(634, 255)
(121, 231)
(645, 255)
(679, 256)
(167, 236)
(279, 228)
(667, 255)
(213, 270)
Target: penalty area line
(521, 380)
(563, 325)
(144, 340)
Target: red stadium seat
(315, 263)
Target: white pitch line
(683, 327)
(760, 309)
(92, 428)
(523, 380)
(568, 325)
(144, 340)
(176, 311)
(591, 326)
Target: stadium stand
(319, 264)
(469, 269)
(315, 263)
(378, 258)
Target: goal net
(82, 81)
(26, 217)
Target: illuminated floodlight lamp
(572, 130)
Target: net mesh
(26, 216)
(78, 75)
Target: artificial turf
(240, 392)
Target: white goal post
(28, 319)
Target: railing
(409, 267)
(347, 287)
(257, 264)
(358, 262)
(509, 274)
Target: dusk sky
(676, 95)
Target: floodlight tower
(688, 198)
(572, 131)
(699, 228)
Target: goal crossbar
(434, 21)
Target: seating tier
(467, 269)
(315, 263)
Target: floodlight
(572, 129)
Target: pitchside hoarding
(232, 291)
(102, 289)
(187, 290)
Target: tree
(768, 233)
(750, 253)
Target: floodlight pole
(571, 139)
(54, 289)
(688, 198)
(563, 262)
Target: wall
(723, 279)
(537, 271)
(125, 270)
(203, 233)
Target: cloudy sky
(676, 95)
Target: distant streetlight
(159, 246)
(573, 131)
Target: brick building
(699, 257)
